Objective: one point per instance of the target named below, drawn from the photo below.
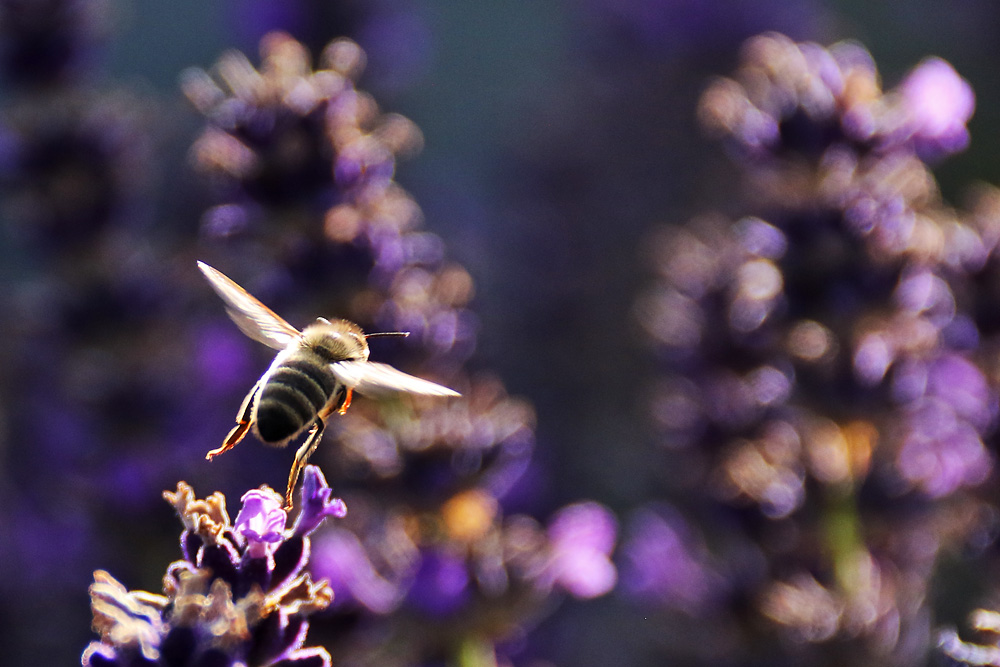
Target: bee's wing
(376, 380)
(252, 317)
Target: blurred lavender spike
(434, 559)
(822, 375)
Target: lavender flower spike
(239, 596)
(316, 502)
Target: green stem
(475, 652)
(842, 533)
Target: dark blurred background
(557, 135)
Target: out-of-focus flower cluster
(239, 596)
(290, 138)
(304, 167)
(48, 43)
(825, 394)
(74, 154)
(797, 101)
(73, 168)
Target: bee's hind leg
(243, 422)
(302, 457)
(312, 441)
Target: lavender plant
(429, 565)
(238, 596)
(825, 396)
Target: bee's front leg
(244, 421)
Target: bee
(313, 376)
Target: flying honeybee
(313, 376)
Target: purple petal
(959, 383)
(582, 537)
(586, 525)
(939, 103)
(941, 453)
(261, 521)
(317, 503)
(584, 573)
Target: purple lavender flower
(581, 539)
(261, 522)
(938, 103)
(317, 502)
(238, 596)
(949, 407)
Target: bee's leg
(346, 403)
(312, 441)
(243, 423)
(302, 457)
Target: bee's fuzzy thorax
(336, 340)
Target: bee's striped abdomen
(293, 395)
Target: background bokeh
(556, 137)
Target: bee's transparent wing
(252, 317)
(376, 380)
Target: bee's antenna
(404, 334)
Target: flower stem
(476, 652)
